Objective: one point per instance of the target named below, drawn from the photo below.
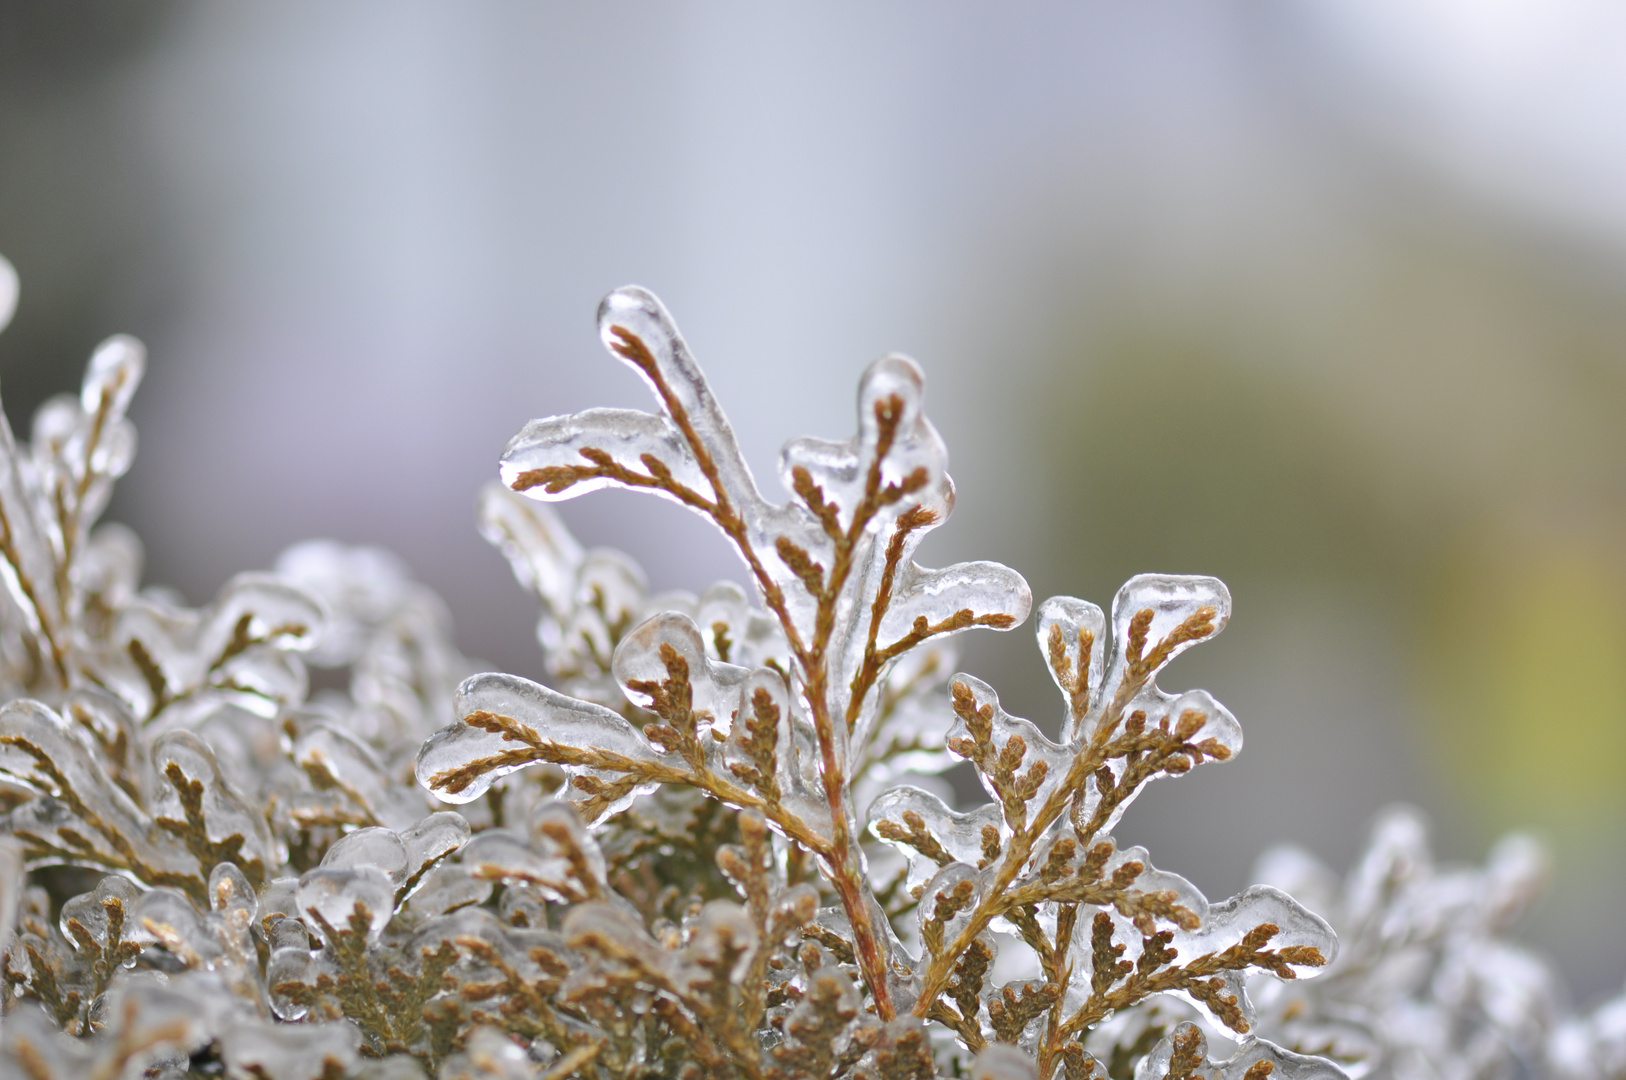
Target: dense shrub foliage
(716, 844)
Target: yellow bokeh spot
(1524, 669)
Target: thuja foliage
(714, 846)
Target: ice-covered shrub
(698, 851)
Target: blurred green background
(1327, 299)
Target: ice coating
(1215, 733)
(1172, 599)
(983, 732)
(379, 848)
(953, 888)
(432, 839)
(113, 375)
(901, 814)
(289, 965)
(195, 790)
(333, 897)
(912, 720)
(177, 665)
(446, 887)
(557, 830)
(340, 760)
(565, 456)
(166, 1020)
(635, 313)
(29, 569)
(753, 639)
(359, 588)
(499, 855)
(646, 657)
(460, 762)
(725, 743)
(232, 895)
(720, 943)
(1227, 922)
(88, 919)
(1285, 1064)
(51, 493)
(40, 750)
(1070, 630)
(760, 722)
(166, 917)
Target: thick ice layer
(333, 896)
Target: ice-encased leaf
(1172, 600)
(238, 648)
(506, 723)
(559, 856)
(928, 833)
(1156, 617)
(736, 632)
(1225, 923)
(499, 855)
(192, 796)
(594, 449)
(11, 887)
(659, 646)
(862, 504)
(83, 817)
(333, 897)
(111, 378)
(149, 1019)
(1211, 733)
(358, 586)
(166, 917)
(232, 896)
(893, 388)
(956, 886)
(289, 967)
(721, 941)
(29, 566)
(51, 1053)
(1300, 875)
(445, 887)
(92, 915)
(1072, 636)
(613, 933)
(1396, 856)
(337, 760)
(1016, 763)
(432, 839)
(955, 598)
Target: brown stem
(841, 854)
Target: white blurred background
(1327, 298)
